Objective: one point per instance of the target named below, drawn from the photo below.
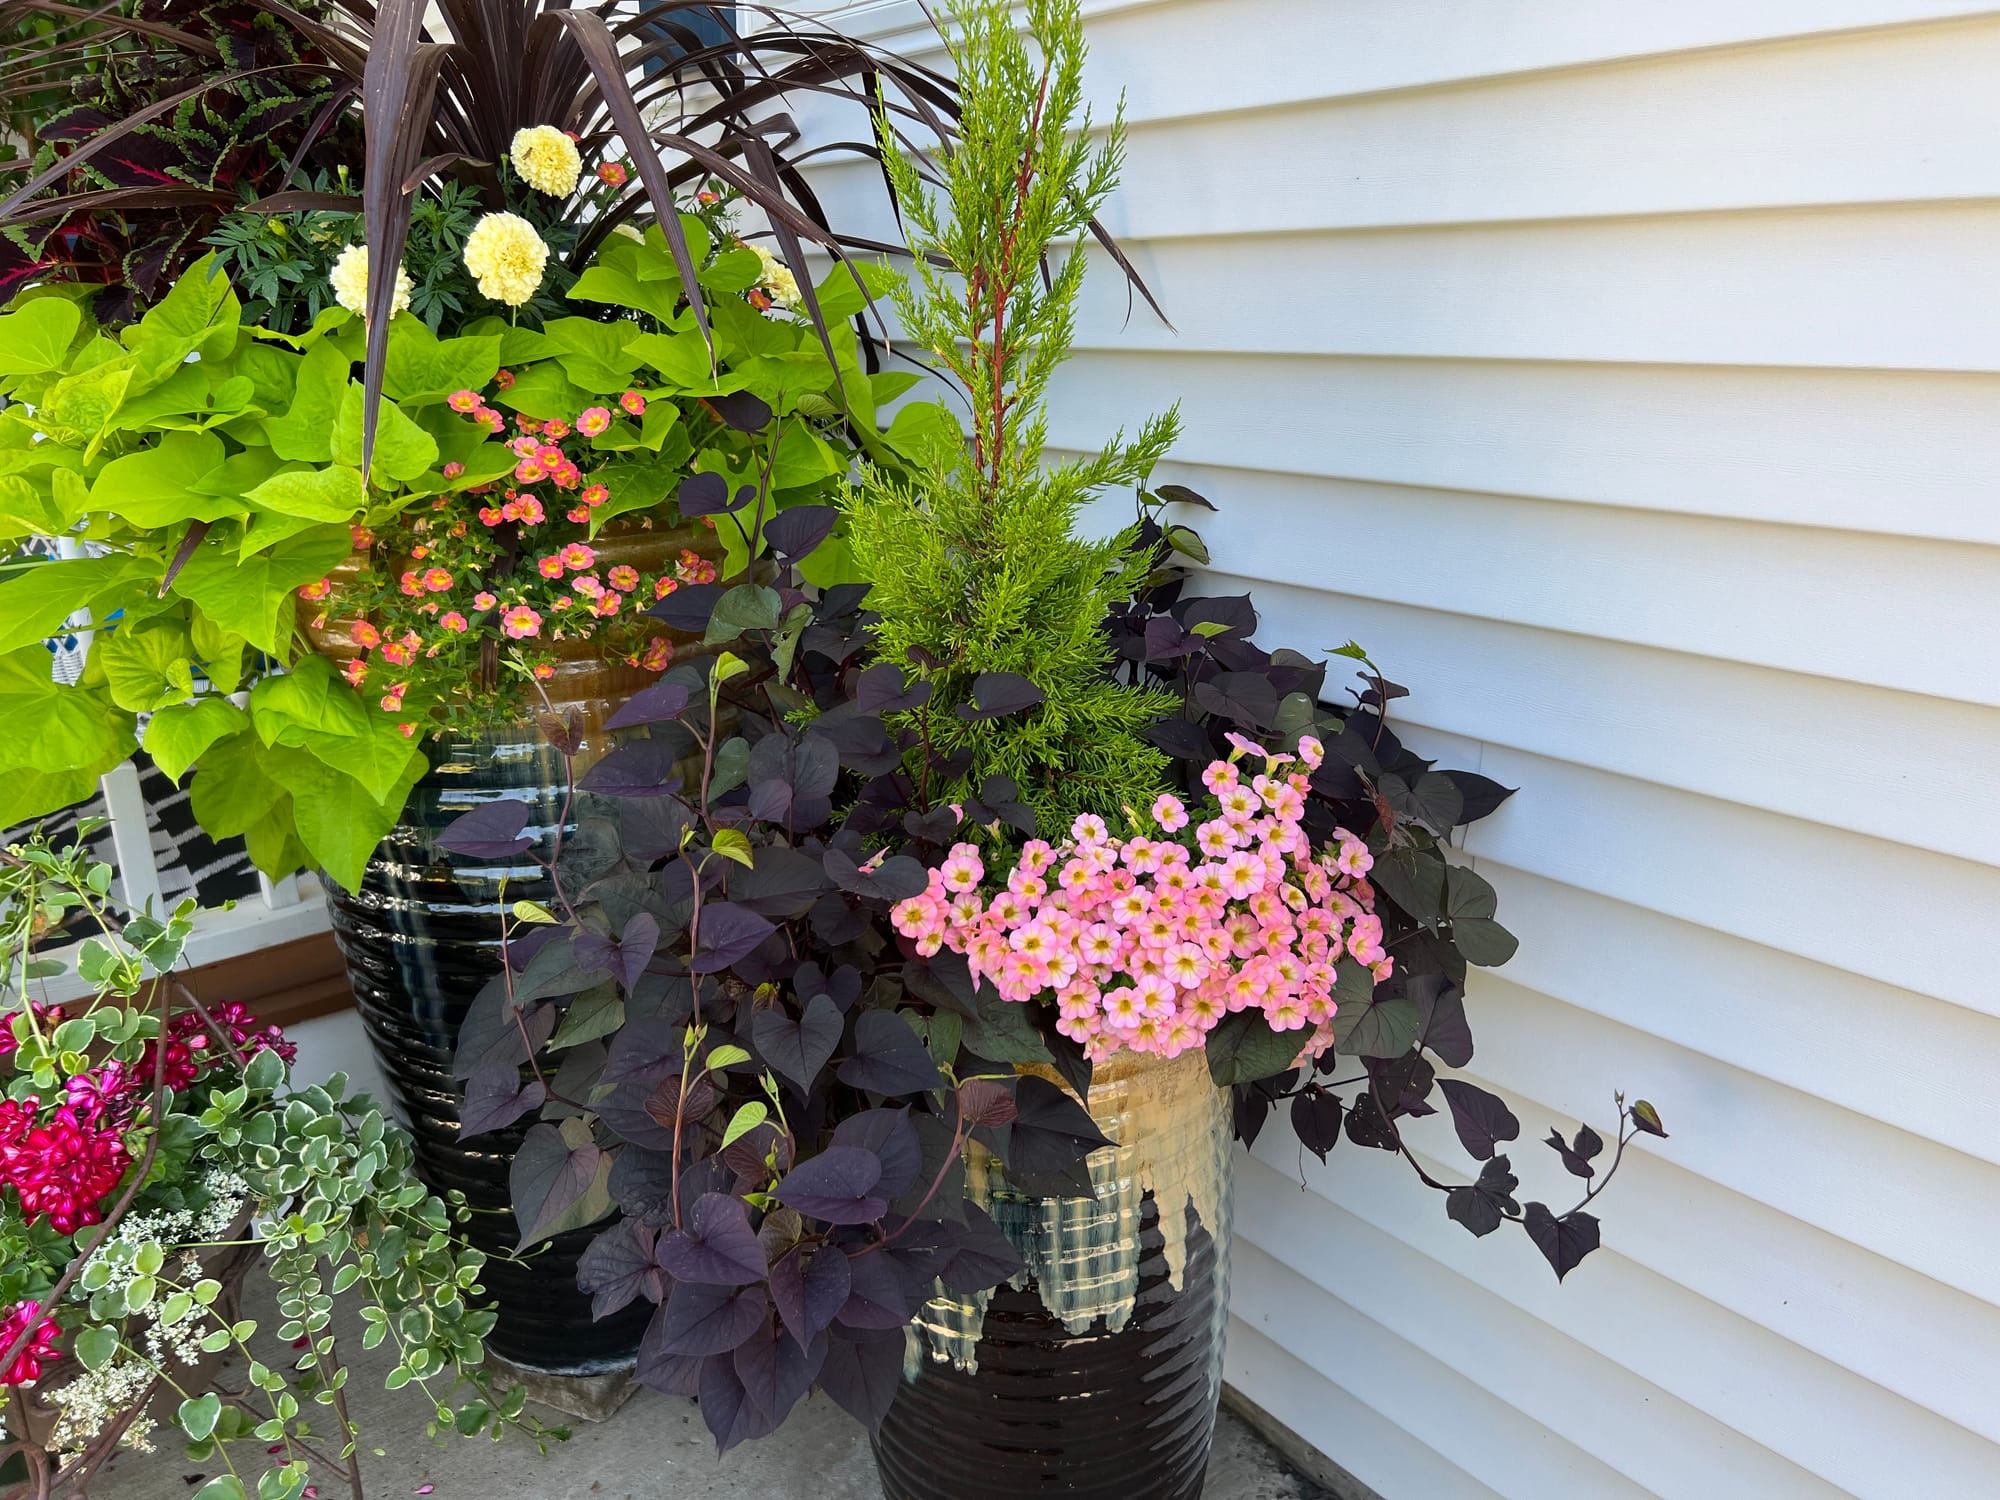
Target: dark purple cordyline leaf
(689, 607)
(716, 1246)
(889, 1134)
(1181, 738)
(889, 1058)
(1481, 1119)
(878, 1296)
(618, 1267)
(838, 1185)
(1563, 1242)
(727, 933)
(863, 1371)
(704, 1319)
(653, 705)
(491, 830)
(945, 980)
(809, 1287)
(794, 533)
(1247, 698)
(1180, 494)
(495, 1096)
(643, 768)
(798, 1049)
(524, 943)
(1166, 641)
(982, 1256)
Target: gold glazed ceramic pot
(1096, 1371)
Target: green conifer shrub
(977, 562)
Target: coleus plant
(720, 1039)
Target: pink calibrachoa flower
(393, 699)
(37, 1354)
(555, 429)
(663, 586)
(530, 471)
(577, 557)
(544, 670)
(595, 420)
(437, 580)
(1146, 944)
(611, 173)
(623, 577)
(366, 636)
(467, 402)
(317, 591)
(579, 514)
(363, 537)
(483, 600)
(453, 621)
(451, 471)
(633, 403)
(659, 654)
(503, 380)
(594, 495)
(588, 585)
(520, 622)
(356, 672)
(490, 419)
(550, 566)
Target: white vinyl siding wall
(1626, 377)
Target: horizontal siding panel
(1926, 1342)
(1339, 48)
(1789, 883)
(1911, 770)
(1441, 1388)
(1583, 1396)
(1665, 135)
(1848, 288)
(1803, 1025)
(1863, 451)
(1918, 1204)
(1627, 379)
(1915, 616)
(1369, 1446)
(1833, 1431)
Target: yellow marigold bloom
(349, 277)
(507, 256)
(547, 160)
(777, 279)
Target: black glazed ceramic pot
(421, 937)
(1097, 1372)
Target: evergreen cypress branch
(976, 559)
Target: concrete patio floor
(654, 1448)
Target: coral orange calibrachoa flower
(1144, 943)
(496, 562)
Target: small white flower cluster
(96, 1399)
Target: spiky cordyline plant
(442, 90)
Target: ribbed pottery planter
(1096, 1372)
(422, 936)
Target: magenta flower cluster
(1147, 942)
